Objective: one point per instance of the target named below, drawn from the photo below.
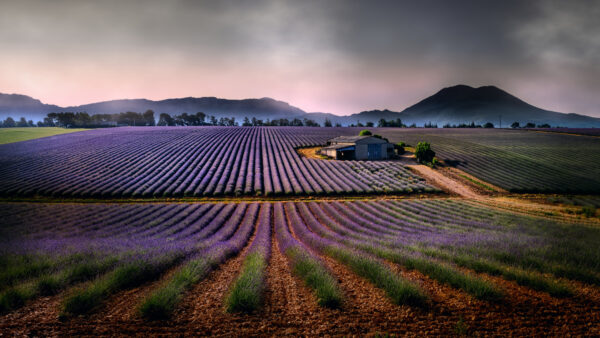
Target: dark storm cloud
(343, 56)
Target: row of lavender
(202, 161)
(515, 160)
(125, 245)
(46, 248)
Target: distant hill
(454, 105)
(260, 108)
(464, 104)
(264, 108)
(16, 106)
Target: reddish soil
(290, 309)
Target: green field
(516, 160)
(10, 135)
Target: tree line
(9, 122)
(84, 120)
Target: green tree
(9, 123)
(165, 120)
(488, 125)
(423, 152)
(22, 122)
(149, 117)
(365, 132)
(515, 125)
(201, 117)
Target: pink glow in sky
(326, 57)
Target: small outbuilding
(358, 148)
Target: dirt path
(437, 178)
(310, 152)
(448, 180)
(446, 183)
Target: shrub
(12, 299)
(365, 132)
(588, 211)
(424, 153)
(399, 148)
(381, 137)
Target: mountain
(264, 108)
(17, 105)
(260, 108)
(465, 104)
(454, 105)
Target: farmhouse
(358, 148)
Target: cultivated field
(344, 248)
(519, 161)
(192, 161)
(437, 263)
(573, 131)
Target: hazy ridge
(454, 105)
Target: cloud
(336, 56)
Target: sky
(332, 56)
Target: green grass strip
(485, 186)
(530, 279)
(445, 274)
(161, 303)
(10, 135)
(19, 267)
(312, 272)
(50, 284)
(398, 289)
(247, 291)
(85, 300)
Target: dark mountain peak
(17, 99)
(465, 104)
(459, 88)
(467, 95)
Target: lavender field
(344, 264)
(195, 161)
(120, 246)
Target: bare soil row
(290, 308)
